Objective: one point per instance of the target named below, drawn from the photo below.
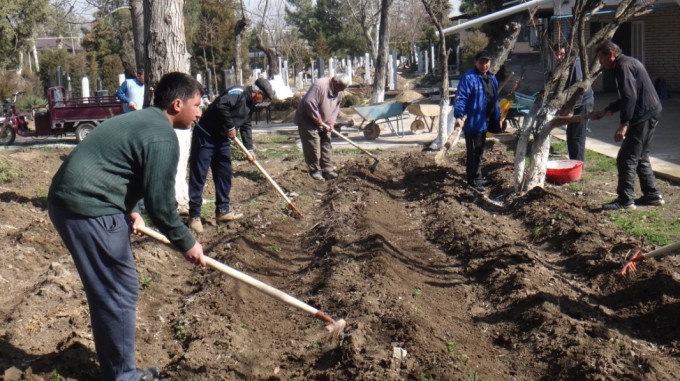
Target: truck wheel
(83, 130)
(7, 135)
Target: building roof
(69, 43)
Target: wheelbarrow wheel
(371, 131)
(418, 126)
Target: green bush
(7, 173)
(28, 101)
(350, 100)
(286, 104)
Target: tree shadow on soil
(38, 202)
(73, 362)
(649, 306)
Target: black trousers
(633, 158)
(474, 145)
(576, 134)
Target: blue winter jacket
(471, 101)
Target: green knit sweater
(124, 159)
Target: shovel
(450, 142)
(639, 257)
(333, 326)
(266, 175)
(345, 138)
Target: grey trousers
(101, 250)
(317, 149)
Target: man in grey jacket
(639, 106)
(319, 107)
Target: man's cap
(483, 55)
(266, 88)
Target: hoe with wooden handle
(335, 327)
(345, 138)
(450, 142)
(266, 175)
(639, 257)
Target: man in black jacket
(210, 147)
(639, 106)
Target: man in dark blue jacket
(211, 147)
(476, 108)
(576, 132)
(639, 106)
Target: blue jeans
(101, 250)
(214, 153)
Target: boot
(196, 225)
(231, 216)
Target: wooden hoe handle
(266, 175)
(241, 277)
(345, 138)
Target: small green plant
(7, 172)
(417, 292)
(145, 280)
(55, 376)
(251, 175)
(575, 187)
(180, 329)
(275, 248)
(208, 208)
(426, 377)
(245, 325)
(253, 202)
(451, 346)
(41, 194)
(474, 376)
(536, 230)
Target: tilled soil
(435, 281)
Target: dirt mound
(408, 96)
(435, 281)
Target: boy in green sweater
(92, 204)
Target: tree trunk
(378, 89)
(556, 98)
(137, 12)
(239, 29)
(503, 47)
(166, 52)
(270, 53)
(444, 101)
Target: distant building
(70, 44)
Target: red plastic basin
(564, 171)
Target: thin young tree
(263, 38)
(437, 10)
(137, 13)
(366, 13)
(378, 88)
(556, 98)
(239, 32)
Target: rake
(639, 257)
